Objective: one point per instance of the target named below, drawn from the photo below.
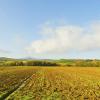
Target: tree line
(28, 63)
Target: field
(50, 83)
(12, 77)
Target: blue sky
(50, 28)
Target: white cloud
(64, 38)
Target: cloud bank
(64, 38)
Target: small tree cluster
(30, 63)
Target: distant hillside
(79, 62)
(6, 59)
(26, 62)
(49, 62)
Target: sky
(50, 29)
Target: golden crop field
(12, 77)
(52, 83)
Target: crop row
(61, 84)
(12, 77)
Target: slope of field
(12, 77)
(60, 83)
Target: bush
(13, 63)
(29, 63)
(39, 63)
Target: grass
(56, 83)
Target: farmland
(50, 83)
(11, 78)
